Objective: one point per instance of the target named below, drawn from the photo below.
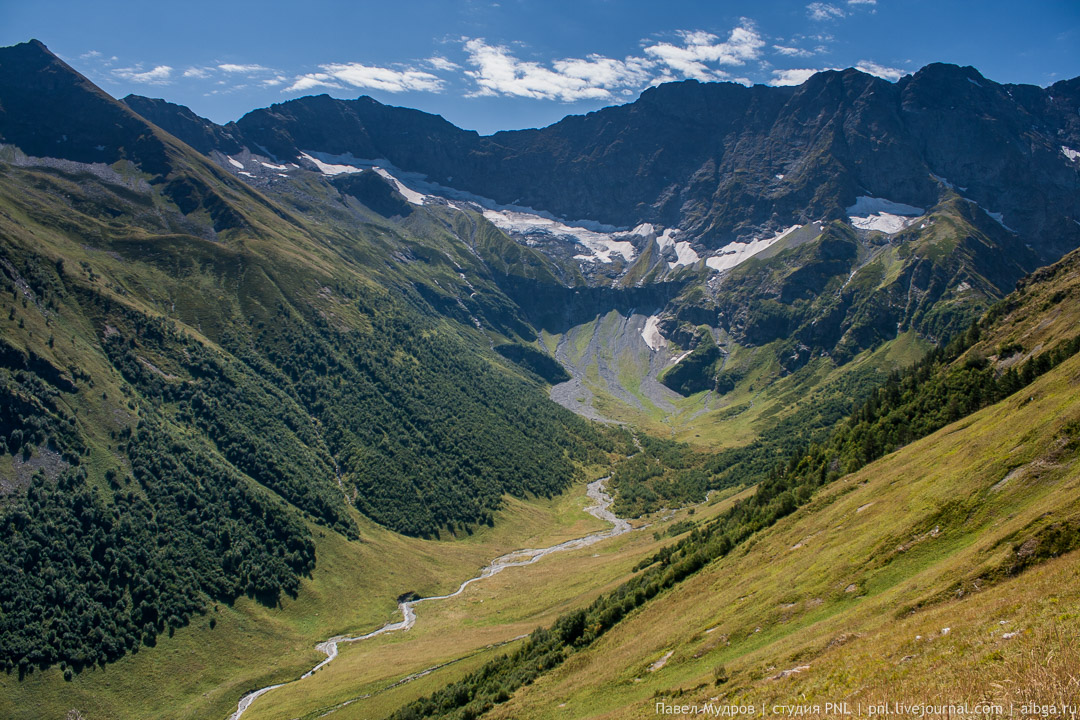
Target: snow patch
(245, 173)
(883, 222)
(411, 195)
(235, 163)
(1000, 219)
(602, 241)
(679, 359)
(871, 213)
(338, 164)
(685, 255)
(651, 333)
(601, 245)
(735, 253)
(779, 177)
(1070, 153)
(667, 239)
(331, 168)
(272, 166)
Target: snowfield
(736, 253)
(870, 213)
(651, 333)
(601, 241)
(684, 254)
(600, 245)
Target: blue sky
(508, 64)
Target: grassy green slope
(196, 378)
(856, 589)
(951, 518)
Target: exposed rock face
(985, 179)
(42, 96)
(198, 132)
(720, 160)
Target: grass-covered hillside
(925, 531)
(192, 375)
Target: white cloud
(499, 72)
(337, 75)
(440, 63)
(274, 81)
(881, 71)
(743, 44)
(233, 68)
(313, 80)
(90, 55)
(158, 76)
(794, 76)
(792, 51)
(605, 72)
(496, 70)
(797, 76)
(824, 11)
(197, 73)
(862, 2)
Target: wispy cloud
(160, 75)
(862, 2)
(249, 69)
(496, 70)
(700, 48)
(797, 76)
(197, 73)
(792, 51)
(313, 80)
(885, 73)
(824, 11)
(440, 63)
(338, 75)
(794, 76)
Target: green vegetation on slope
(951, 383)
(182, 396)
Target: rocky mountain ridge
(722, 162)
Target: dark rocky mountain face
(990, 169)
(986, 174)
(198, 132)
(720, 161)
(42, 97)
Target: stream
(600, 509)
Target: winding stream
(601, 509)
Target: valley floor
(203, 670)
